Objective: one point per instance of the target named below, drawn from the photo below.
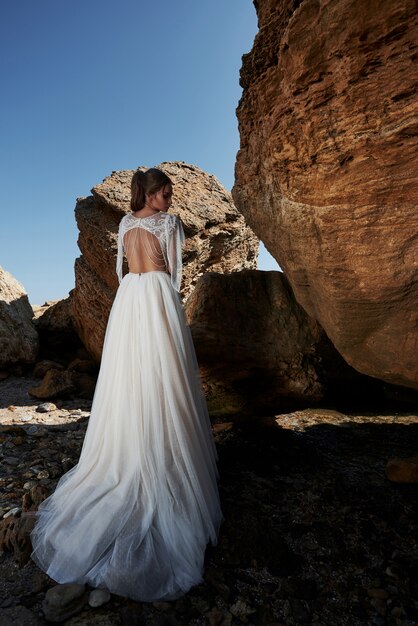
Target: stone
(214, 616)
(222, 427)
(63, 601)
(42, 474)
(379, 594)
(42, 367)
(84, 383)
(18, 338)
(83, 366)
(217, 239)
(29, 484)
(56, 383)
(11, 460)
(15, 511)
(403, 470)
(258, 351)
(98, 597)
(46, 407)
(241, 610)
(326, 171)
(58, 338)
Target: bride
(135, 514)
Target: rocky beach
(314, 530)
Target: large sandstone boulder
(258, 351)
(217, 240)
(326, 173)
(18, 337)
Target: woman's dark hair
(146, 183)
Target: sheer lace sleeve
(119, 258)
(174, 238)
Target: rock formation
(57, 336)
(18, 337)
(257, 349)
(217, 240)
(63, 364)
(326, 172)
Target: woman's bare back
(151, 243)
(143, 251)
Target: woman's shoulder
(170, 220)
(169, 216)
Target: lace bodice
(151, 243)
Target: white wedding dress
(137, 511)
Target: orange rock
(55, 383)
(326, 172)
(217, 239)
(403, 470)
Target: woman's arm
(174, 237)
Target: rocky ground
(314, 531)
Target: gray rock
(63, 601)
(11, 460)
(46, 407)
(15, 511)
(29, 484)
(42, 474)
(98, 597)
(241, 610)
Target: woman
(135, 514)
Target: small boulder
(98, 597)
(55, 383)
(63, 601)
(46, 407)
(42, 367)
(403, 470)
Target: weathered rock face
(326, 173)
(18, 337)
(217, 240)
(57, 336)
(257, 349)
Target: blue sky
(92, 86)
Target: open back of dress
(143, 251)
(151, 244)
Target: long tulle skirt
(137, 511)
